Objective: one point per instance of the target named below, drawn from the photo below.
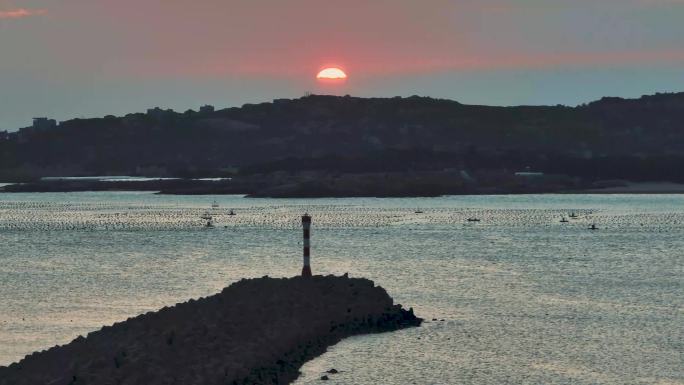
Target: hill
(613, 138)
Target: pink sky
(20, 13)
(76, 44)
(215, 38)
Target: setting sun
(331, 73)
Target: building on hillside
(206, 109)
(43, 124)
(159, 114)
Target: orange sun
(331, 73)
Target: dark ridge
(257, 331)
(613, 138)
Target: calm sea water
(518, 298)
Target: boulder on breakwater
(257, 331)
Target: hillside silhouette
(613, 138)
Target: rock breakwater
(257, 331)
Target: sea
(518, 297)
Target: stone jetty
(257, 331)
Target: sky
(82, 58)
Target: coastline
(640, 188)
(311, 190)
(256, 331)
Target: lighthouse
(306, 225)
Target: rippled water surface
(516, 298)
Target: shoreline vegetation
(343, 186)
(256, 331)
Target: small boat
(215, 205)
(418, 211)
(206, 216)
(473, 220)
(573, 215)
(564, 220)
(593, 227)
(231, 212)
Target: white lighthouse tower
(306, 224)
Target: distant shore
(640, 188)
(257, 331)
(348, 186)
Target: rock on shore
(257, 331)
